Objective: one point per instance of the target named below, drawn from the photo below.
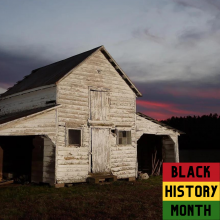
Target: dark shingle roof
(49, 74)
(158, 122)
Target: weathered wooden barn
(77, 118)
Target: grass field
(119, 200)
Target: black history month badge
(191, 191)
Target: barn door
(100, 161)
(99, 105)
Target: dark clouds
(15, 65)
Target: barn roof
(158, 122)
(18, 115)
(54, 72)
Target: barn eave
(159, 123)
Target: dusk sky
(170, 49)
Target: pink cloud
(158, 115)
(148, 104)
(161, 111)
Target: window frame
(121, 130)
(67, 137)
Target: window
(74, 137)
(124, 137)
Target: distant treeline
(202, 132)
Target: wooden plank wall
(49, 161)
(41, 124)
(124, 158)
(170, 138)
(174, 138)
(144, 126)
(26, 101)
(73, 94)
(43, 160)
(168, 149)
(72, 163)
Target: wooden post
(1, 163)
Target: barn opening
(152, 150)
(149, 147)
(24, 159)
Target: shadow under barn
(148, 146)
(152, 150)
(24, 159)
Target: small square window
(124, 137)
(74, 137)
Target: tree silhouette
(202, 132)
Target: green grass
(119, 200)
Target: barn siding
(49, 161)
(144, 126)
(73, 164)
(124, 158)
(170, 139)
(174, 138)
(168, 149)
(41, 124)
(26, 101)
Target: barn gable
(40, 121)
(149, 125)
(96, 73)
(55, 72)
